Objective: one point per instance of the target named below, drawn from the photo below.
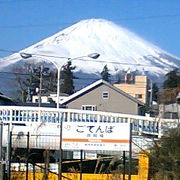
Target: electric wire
(9, 51)
(19, 1)
(78, 78)
(80, 59)
(163, 16)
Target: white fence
(44, 123)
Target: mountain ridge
(113, 42)
(118, 47)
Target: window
(139, 96)
(89, 107)
(105, 95)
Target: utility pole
(27, 156)
(177, 105)
(150, 100)
(1, 158)
(9, 155)
(60, 152)
(40, 84)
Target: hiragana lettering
(109, 129)
(80, 131)
(99, 129)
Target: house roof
(94, 85)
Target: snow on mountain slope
(121, 48)
(114, 43)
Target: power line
(80, 59)
(71, 23)
(9, 51)
(78, 78)
(151, 17)
(14, 73)
(114, 62)
(36, 25)
(14, 1)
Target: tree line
(29, 79)
(29, 84)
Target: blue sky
(26, 22)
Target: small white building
(48, 98)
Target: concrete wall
(139, 87)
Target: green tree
(28, 79)
(172, 79)
(171, 87)
(155, 91)
(165, 157)
(67, 85)
(105, 74)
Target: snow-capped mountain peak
(118, 48)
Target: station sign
(96, 136)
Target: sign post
(130, 152)
(124, 164)
(81, 165)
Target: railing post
(140, 126)
(68, 116)
(10, 115)
(39, 115)
(159, 128)
(129, 120)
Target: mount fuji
(119, 48)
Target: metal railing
(41, 121)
